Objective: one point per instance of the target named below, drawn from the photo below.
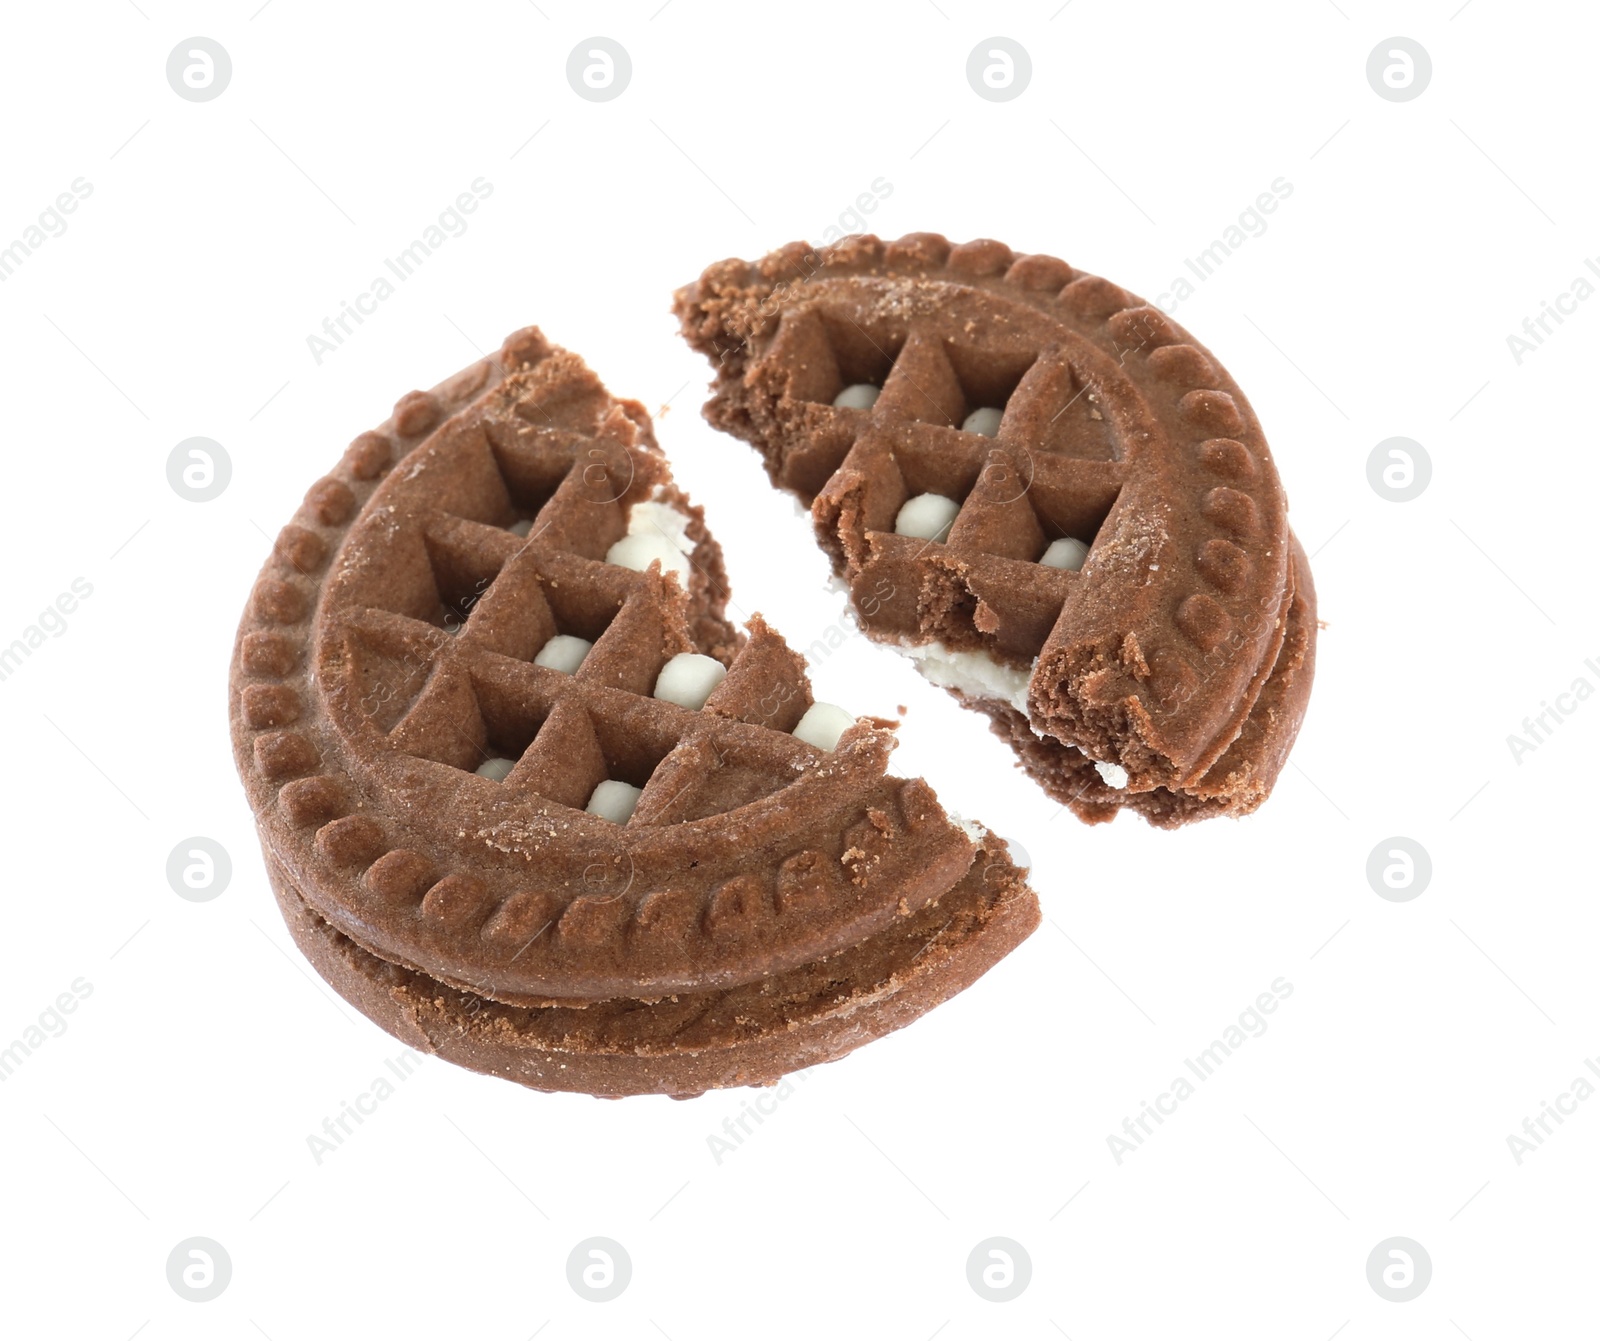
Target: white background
(1419, 1034)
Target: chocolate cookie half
(1044, 491)
(528, 799)
(693, 1041)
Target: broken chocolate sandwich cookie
(529, 800)
(1044, 491)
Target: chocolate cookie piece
(499, 734)
(693, 1041)
(1043, 490)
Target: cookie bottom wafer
(691, 1042)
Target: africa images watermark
(50, 223)
(737, 1130)
(1539, 727)
(353, 1112)
(50, 1024)
(52, 620)
(852, 219)
(452, 222)
(1536, 1130)
(1537, 328)
(1250, 1023)
(1252, 222)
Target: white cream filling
(974, 831)
(979, 675)
(689, 679)
(861, 396)
(985, 420)
(657, 532)
(563, 653)
(614, 801)
(975, 674)
(822, 724)
(1113, 775)
(927, 517)
(650, 516)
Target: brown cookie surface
(462, 652)
(692, 1041)
(1046, 418)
